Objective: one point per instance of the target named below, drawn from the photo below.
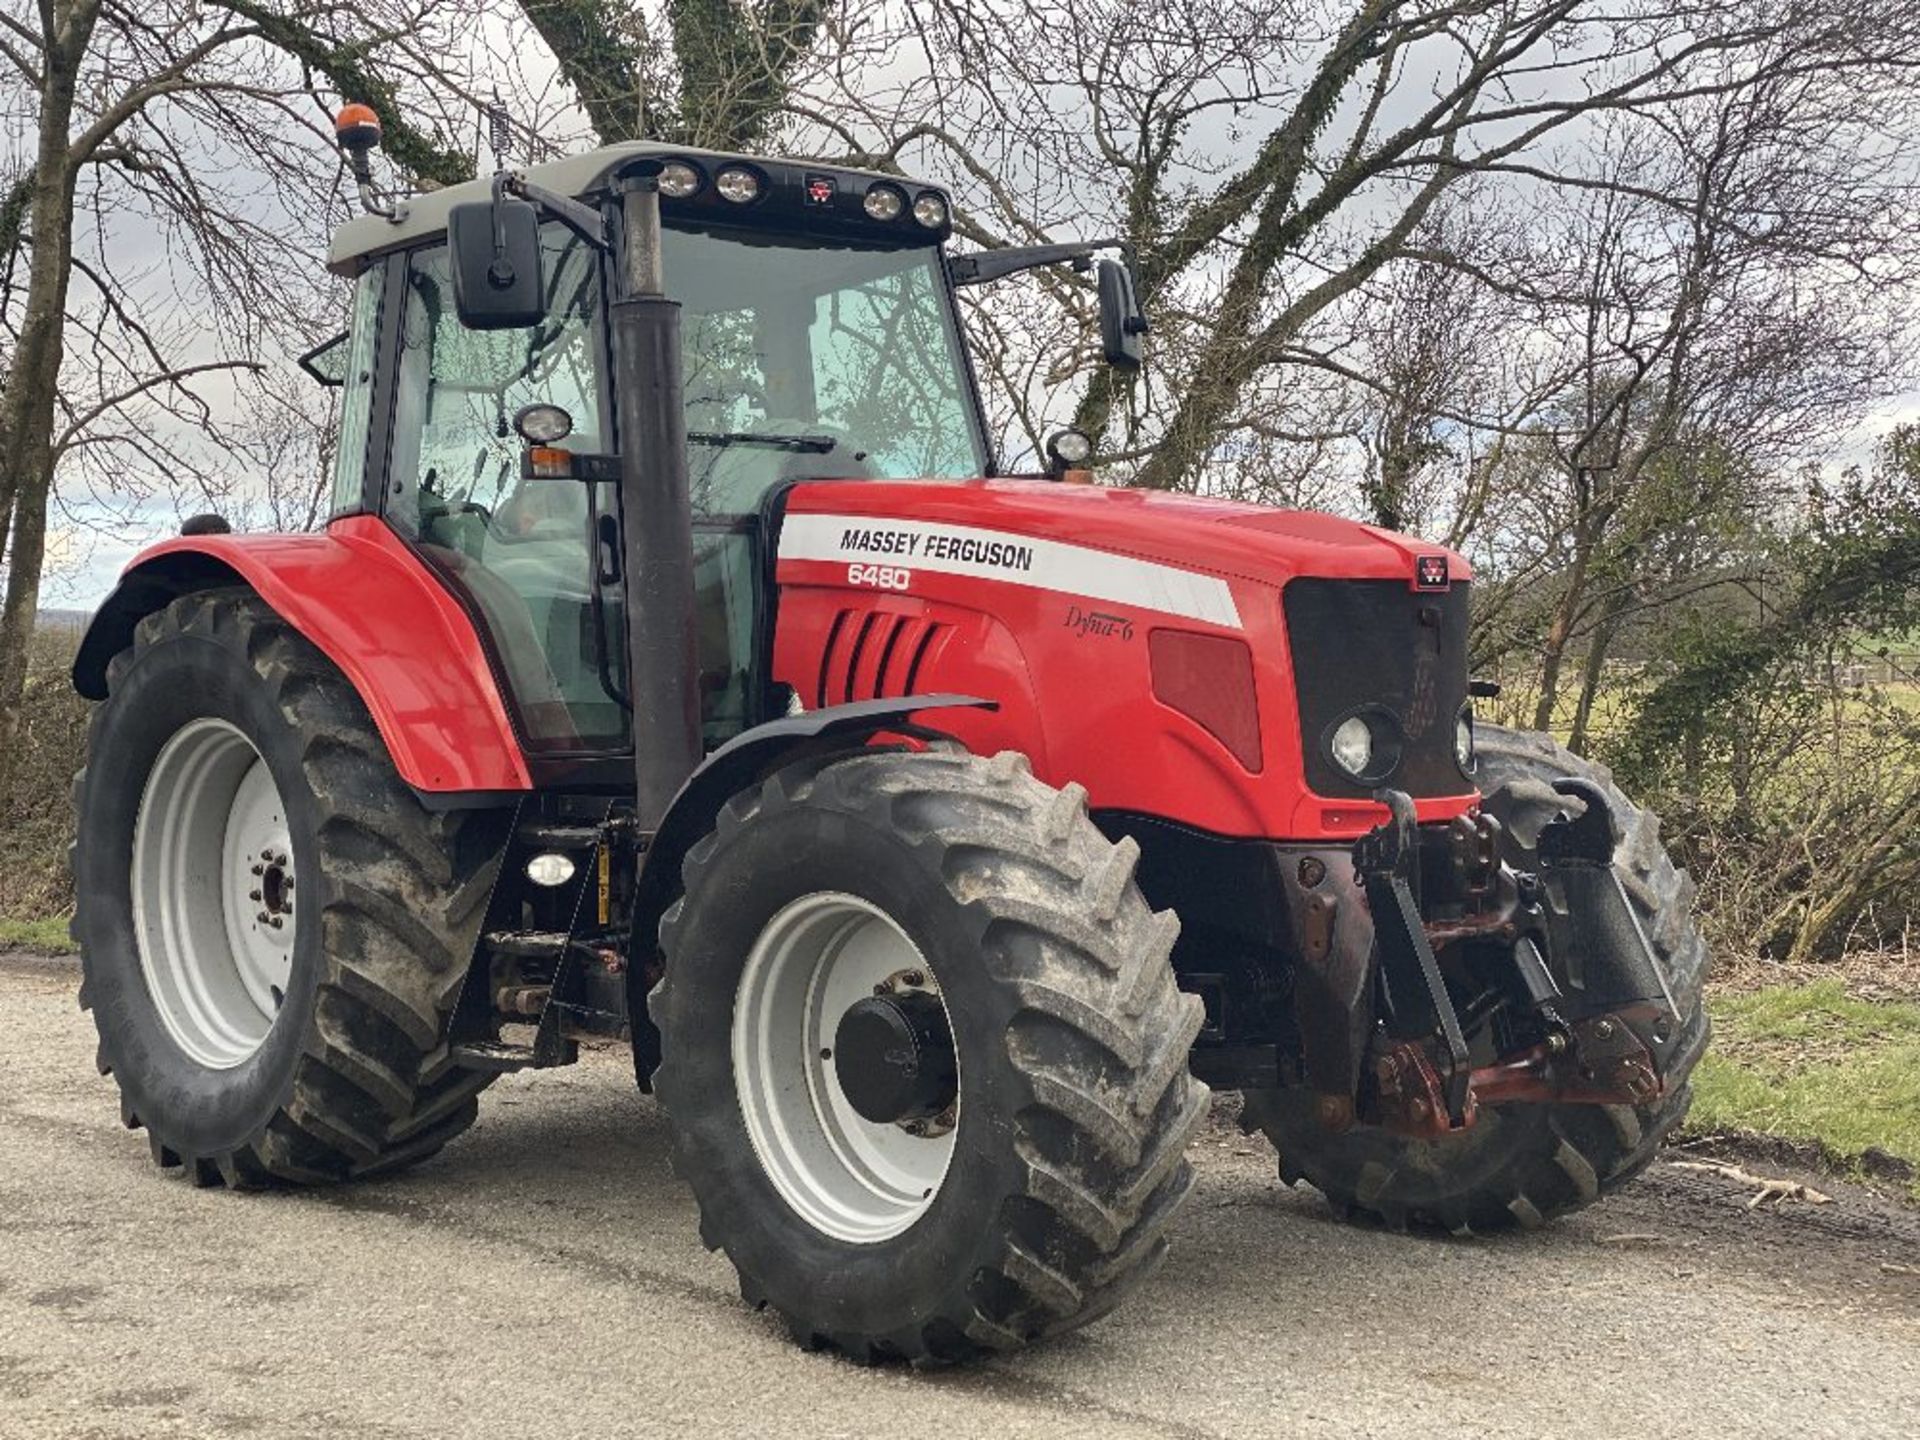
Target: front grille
(1379, 643)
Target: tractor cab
(819, 339)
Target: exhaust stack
(656, 509)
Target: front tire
(1058, 1156)
(1518, 1165)
(235, 780)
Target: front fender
(366, 601)
(735, 765)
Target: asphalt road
(542, 1277)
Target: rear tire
(346, 1070)
(1074, 1105)
(1519, 1165)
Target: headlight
(930, 210)
(678, 180)
(1463, 740)
(738, 184)
(1352, 746)
(884, 202)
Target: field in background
(1829, 1060)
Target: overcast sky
(90, 542)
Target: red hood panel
(1222, 536)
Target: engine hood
(1220, 537)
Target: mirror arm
(583, 220)
(306, 361)
(985, 265)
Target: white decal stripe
(1012, 559)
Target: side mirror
(495, 250)
(1121, 321)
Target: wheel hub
(893, 1055)
(857, 1144)
(214, 893)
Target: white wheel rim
(847, 1176)
(212, 874)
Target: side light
(549, 870)
(1209, 679)
(1463, 754)
(548, 462)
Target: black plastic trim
(1364, 645)
(386, 375)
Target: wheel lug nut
(254, 895)
(259, 869)
(276, 922)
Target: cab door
(520, 551)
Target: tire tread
(401, 897)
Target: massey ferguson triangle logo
(1430, 572)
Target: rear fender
(368, 603)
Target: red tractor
(678, 670)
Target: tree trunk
(1597, 647)
(27, 417)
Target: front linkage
(1594, 1023)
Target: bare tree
(174, 142)
(1274, 163)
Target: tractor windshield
(816, 359)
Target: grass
(1810, 1062)
(49, 937)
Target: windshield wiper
(806, 444)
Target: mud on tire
(1075, 1103)
(353, 1075)
(1519, 1165)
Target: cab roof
(425, 215)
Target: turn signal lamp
(549, 462)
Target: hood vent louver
(873, 655)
